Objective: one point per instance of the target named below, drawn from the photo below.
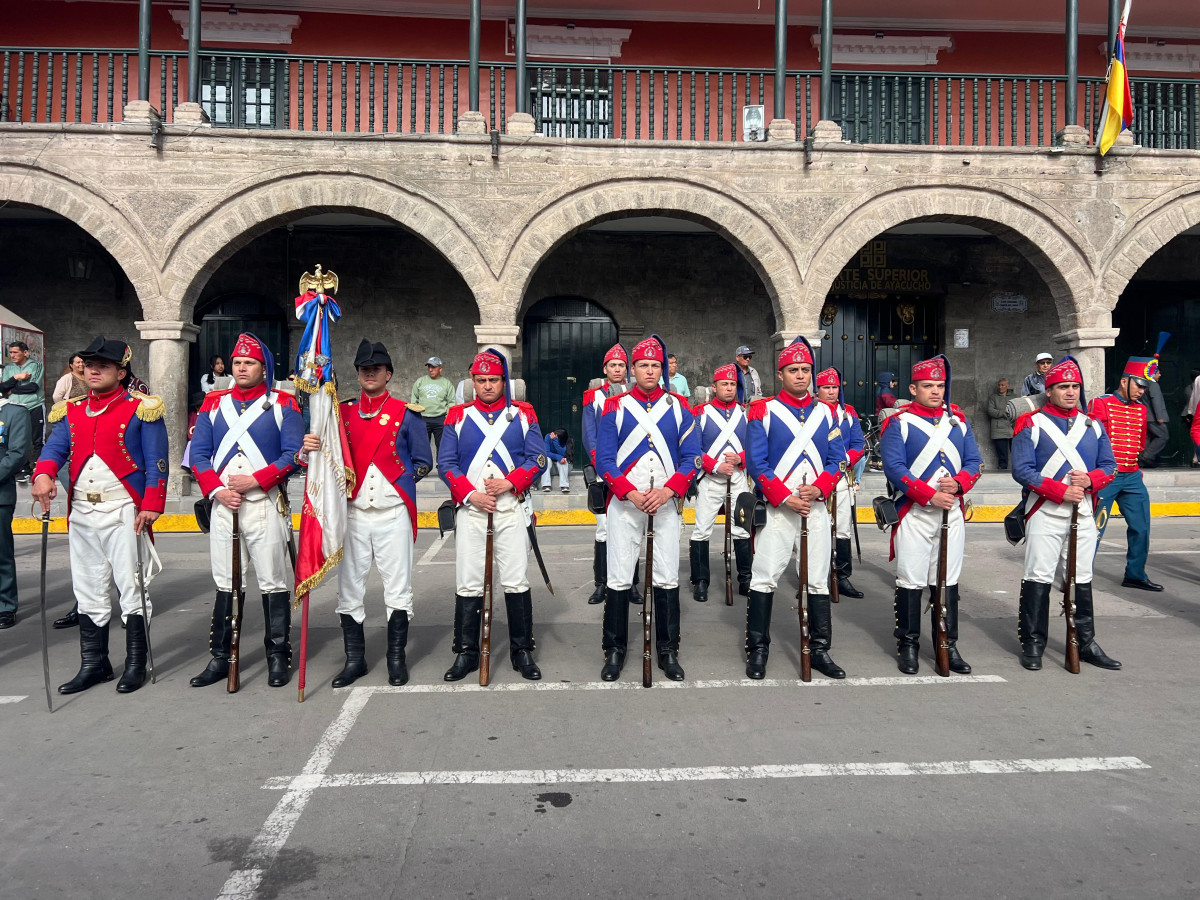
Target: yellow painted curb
(183, 524)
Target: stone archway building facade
(797, 212)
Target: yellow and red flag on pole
(1117, 113)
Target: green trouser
(8, 562)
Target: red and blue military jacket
(769, 443)
(1032, 449)
(901, 446)
(677, 426)
(462, 441)
(713, 417)
(278, 434)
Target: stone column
(168, 377)
(1088, 345)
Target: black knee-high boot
(907, 608)
(134, 675)
(599, 571)
(666, 631)
(468, 621)
(355, 643)
(741, 551)
(844, 567)
(698, 555)
(397, 640)
(958, 665)
(820, 625)
(520, 635)
(219, 637)
(758, 633)
(1085, 630)
(616, 632)
(277, 610)
(1033, 621)
(94, 666)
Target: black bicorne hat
(372, 355)
(113, 351)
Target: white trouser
(564, 474)
(263, 539)
(710, 497)
(1047, 542)
(917, 540)
(510, 548)
(601, 528)
(103, 560)
(626, 525)
(775, 543)
(845, 512)
(385, 536)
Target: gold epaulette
(151, 407)
(58, 411)
(415, 407)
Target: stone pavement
(1004, 784)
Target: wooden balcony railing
(401, 96)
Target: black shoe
(522, 661)
(279, 670)
(134, 675)
(1031, 656)
(845, 566)
(847, 589)
(823, 663)
(820, 623)
(599, 571)
(669, 663)
(698, 559)
(906, 658)
(758, 633)
(94, 666)
(1085, 630)
(397, 640)
(70, 620)
(355, 643)
(613, 661)
(1142, 584)
(468, 620)
(219, 637)
(756, 664)
(1093, 655)
(8, 619)
(700, 591)
(958, 665)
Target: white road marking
(635, 684)
(429, 554)
(243, 882)
(713, 773)
(14, 699)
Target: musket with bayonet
(802, 600)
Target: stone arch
(1050, 249)
(93, 213)
(238, 219)
(731, 217)
(1149, 234)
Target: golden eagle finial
(318, 281)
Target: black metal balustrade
(380, 96)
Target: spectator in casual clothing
(1156, 424)
(22, 383)
(436, 394)
(560, 449)
(215, 379)
(1035, 382)
(679, 384)
(14, 449)
(754, 389)
(1002, 429)
(71, 384)
(885, 392)
(1191, 395)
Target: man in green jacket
(14, 450)
(436, 394)
(22, 383)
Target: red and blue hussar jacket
(634, 424)
(270, 443)
(920, 438)
(723, 429)
(593, 407)
(790, 435)
(846, 418)
(1040, 466)
(381, 432)
(125, 430)
(1125, 422)
(505, 433)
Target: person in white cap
(1035, 381)
(436, 394)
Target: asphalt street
(1004, 784)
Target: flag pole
(303, 645)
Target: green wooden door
(565, 339)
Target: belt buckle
(93, 496)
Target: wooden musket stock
(648, 600)
(802, 601)
(941, 642)
(236, 608)
(1068, 602)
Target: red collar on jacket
(500, 403)
(1051, 410)
(245, 396)
(642, 397)
(97, 402)
(798, 402)
(926, 411)
(371, 406)
(714, 402)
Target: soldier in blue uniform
(244, 446)
(389, 453)
(616, 367)
(115, 448)
(1062, 458)
(795, 453)
(722, 426)
(829, 390)
(491, 453)
(931, 460)
(648, 453)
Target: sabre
(285, 510)
(648, 598)
(537, 554)
(45, 634)
(141, 577)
